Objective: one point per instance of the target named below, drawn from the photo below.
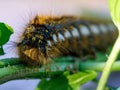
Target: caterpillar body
(46, 38)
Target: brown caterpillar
(46, 38)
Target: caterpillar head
(33, 45)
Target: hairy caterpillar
(47, 37)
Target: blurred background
(17, 14)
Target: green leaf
(55, 83)
(80, 78)
(114, 6)
(5, 32)
(67, 81)
(1, 50)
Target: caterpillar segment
(46, 38)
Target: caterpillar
(45, 38)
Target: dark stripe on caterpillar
(46, 38)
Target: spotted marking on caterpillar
(46, 38)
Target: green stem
(8, 61)
(20, 71)
(111, 59)
(98, 66)
(16, 71)
(15, 61)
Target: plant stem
(20, 71)
(15, 61)
(8, 61)
(98, 66)
(16, 71)
(111, 59)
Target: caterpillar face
(47, 38)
